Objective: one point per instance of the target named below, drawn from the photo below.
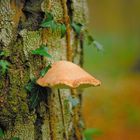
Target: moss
(23, 65)
(42, 109)
(45, 128)
(24, 107)
(22, 129)
(17, 76)
(57, 10)
(31, 41)
(17, 95)
(46, 5)
(55, 44)
(25, 131)
(55, 7)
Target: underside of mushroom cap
(64, 74)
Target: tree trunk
(55, 117)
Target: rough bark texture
(20, 33)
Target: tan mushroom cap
(67, 74)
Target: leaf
(98, 45)
(76, 27)
(32, 88)
(1, 133)
(90, 132)
(49, 16)
(3, 66)
(63, 30)
(2, 53)
(42, 51)
(45, 70)
(36, 93)
(46, 24)
(54, 25)
(90, 40)
(34, 100)
(29, 87)
(49, 22)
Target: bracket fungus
(65, 74)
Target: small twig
(67, 23)
(62, 112)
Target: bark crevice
(33, 14)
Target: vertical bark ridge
(62, 113)
(68, 36)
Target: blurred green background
(114, 107)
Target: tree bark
(54, 118)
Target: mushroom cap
(65, 74)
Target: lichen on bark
(6, 24)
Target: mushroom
(65, 74)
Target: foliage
(63, 30)
(49, 16)
(98, 45)
(31, 88)
(77, 27)
(36, 93)
(2, 53)
(90, 132)
(50, 23)
(92, 42)
(3, 66)
(1, 133)
(45, 70)
(3, 63)
(42, 51)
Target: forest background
(113, 108)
